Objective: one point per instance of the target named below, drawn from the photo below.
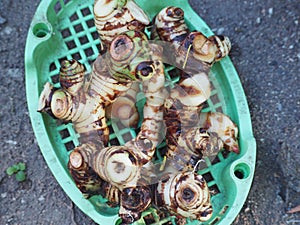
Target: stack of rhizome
(129, 61)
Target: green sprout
(19, 170)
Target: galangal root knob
(185, 195)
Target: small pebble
(8, 30)
(279, 106)
(41, 198)
(11, 142)
(14, 72)
(270, 11)
(2, 20)
(221, 30)
(3, 195)
(258, 20)
(247, 210)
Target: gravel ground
(266, 53)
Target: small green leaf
(21, 166)
(11, 170)
(16, 167)
(20, 176)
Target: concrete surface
(266, 53)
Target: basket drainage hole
(242, 171)
(40, 30)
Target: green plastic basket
(65, 29)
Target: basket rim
(46, 146)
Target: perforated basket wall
(64, 29)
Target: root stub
(76, 159)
